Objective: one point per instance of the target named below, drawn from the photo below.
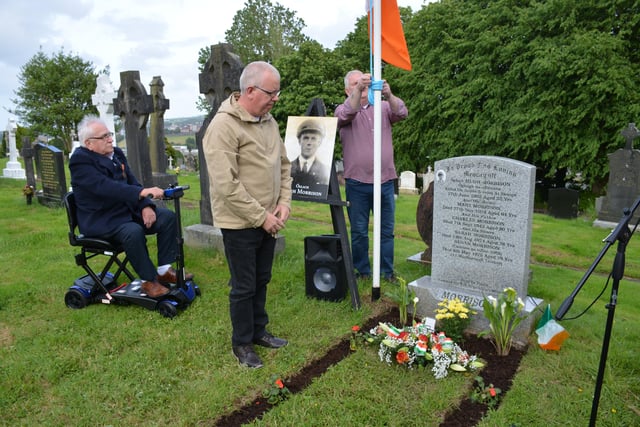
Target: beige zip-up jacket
(249, 172)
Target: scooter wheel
(167, 309)
(75, 299)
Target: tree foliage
(262, 31)
(54, 94)
(549, 83)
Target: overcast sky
(156, 38)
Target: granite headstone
(482, 223)
(50, 174)
(624, 180)
(408, 183)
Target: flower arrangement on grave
(419, 346)
(28, 192)
(454, 316)
(504, 314)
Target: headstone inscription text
(482, 223)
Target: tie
(304, 167)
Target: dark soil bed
(499, 372)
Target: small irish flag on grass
(550, 334)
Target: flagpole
(377, 152)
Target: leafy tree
(55, 94)
(311, 72)
(550, 83)
(264, 31)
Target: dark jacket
(106, 192)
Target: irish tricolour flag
(550, 334)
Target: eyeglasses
(103, 137)
(271, 93)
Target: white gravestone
(14, 168)
(482, 222)
(103, 101)
(408, 183)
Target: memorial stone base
(208, 236)
(429, 295)
(14, 170)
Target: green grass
(122, 366)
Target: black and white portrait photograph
(309, 142)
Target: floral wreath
(418, 345)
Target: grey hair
(84, 127)
(346, 78)
(253, 73)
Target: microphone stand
(622, 234)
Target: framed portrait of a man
(310, 142)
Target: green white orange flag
(550, 334)
(394, 46)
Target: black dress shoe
(246, 356)
(268, 340)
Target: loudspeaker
(325, 271)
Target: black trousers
(249, 254)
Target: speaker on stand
(325, 271)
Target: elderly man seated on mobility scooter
(114, 206)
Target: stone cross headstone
(408, 183)
(158, 156)
(427, 178)
(50, 174)
(14, 168)
(27, 155)
(133, 105)
(624, 179)
(103, 101)
(482, 224)
(220, 77)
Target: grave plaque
(482, 221)
(50, 174)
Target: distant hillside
(184, 121)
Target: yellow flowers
(452, 308)
(454, 317)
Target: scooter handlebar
(175, 192)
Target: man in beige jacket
(249, 174)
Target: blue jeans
(132, 236)
(249, 253)
(360, 198)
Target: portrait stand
(336, 205)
